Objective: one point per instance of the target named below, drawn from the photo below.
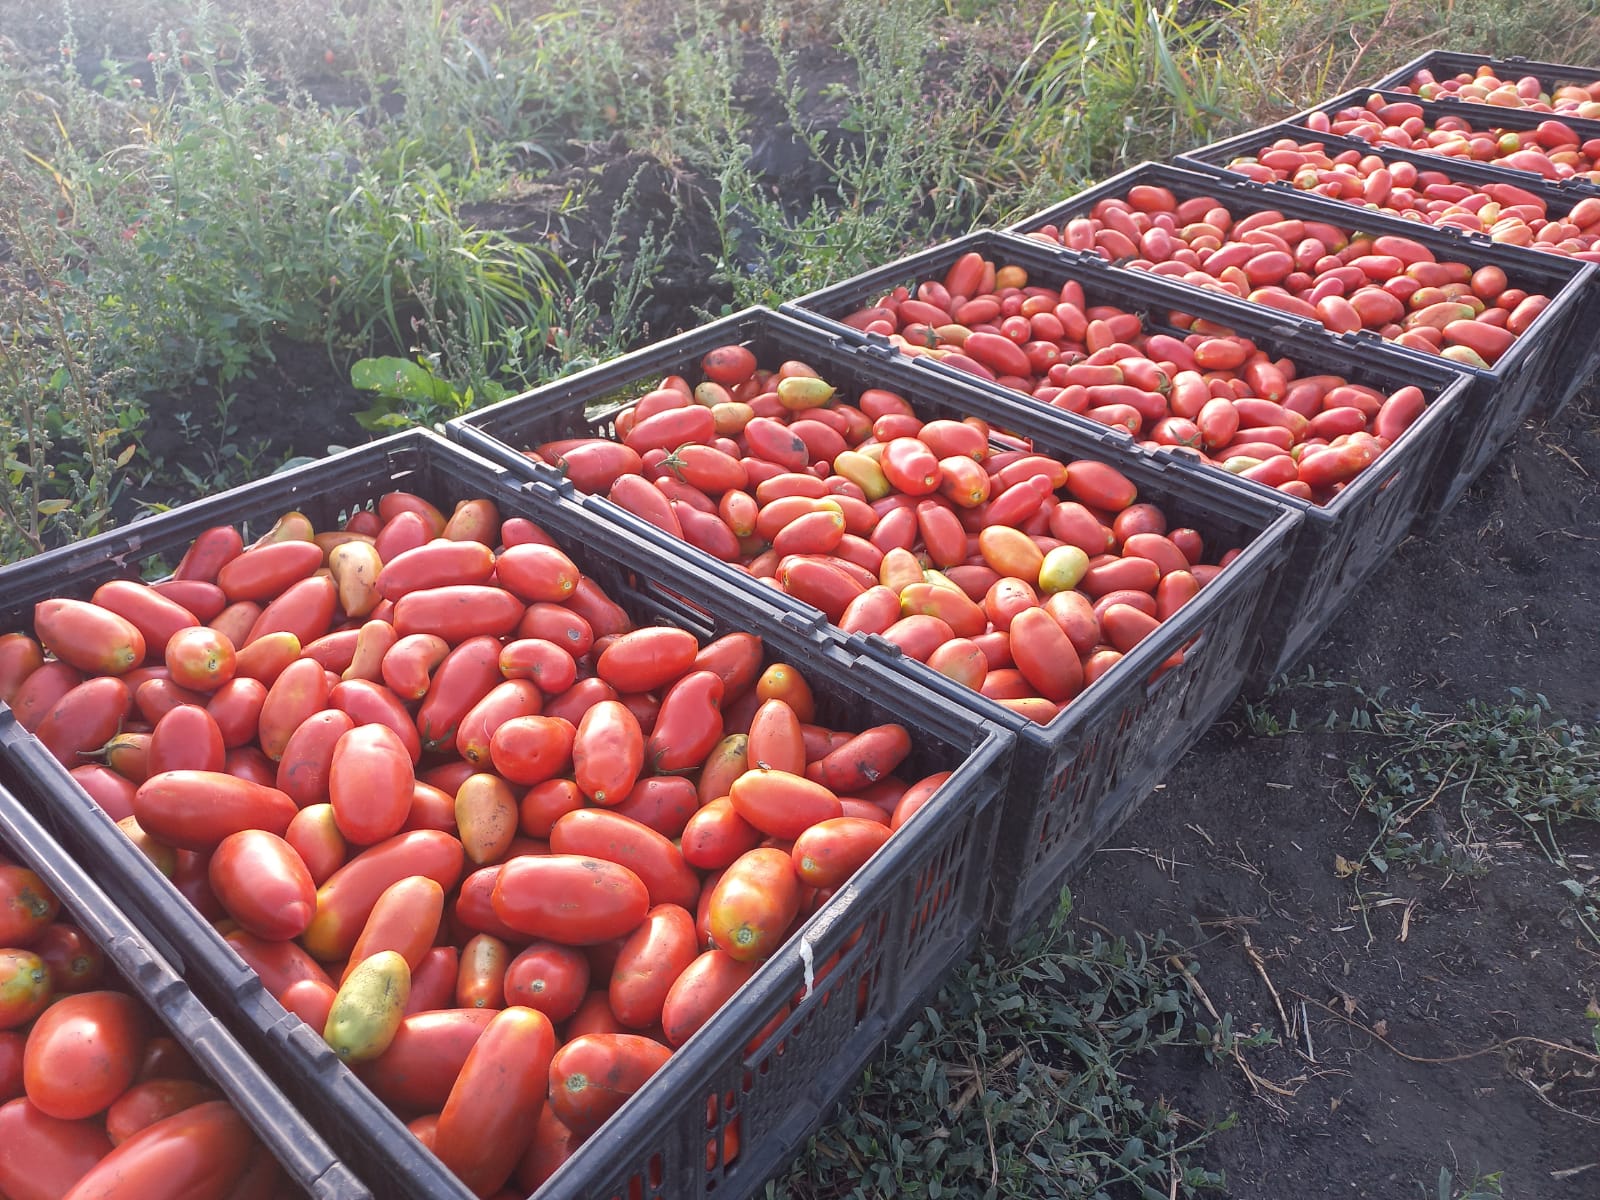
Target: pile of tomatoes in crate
(96, 1101)
(1553, 150)
(1018, 574)
(1505, 212)
(504, 848)
(1324, 272)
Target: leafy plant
(1516, 766)
(1015, 1082)
(409, 393)
(67, 429)
(1109, 83)
(902, 168)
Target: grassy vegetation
(194, 185)
(1015, 1081)
(1443, 790)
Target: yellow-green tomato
(369, 1006)
(1062, 568)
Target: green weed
(902, 168)
(66, 423)
(1015, 1081)
(1107, 84)
(1515, 769)
(1479, 1187)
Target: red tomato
(346, 900)
(84, 719)
(608, 751)
(780, 804)
(612, 837)
(484, 1126)
(370, 782)
(200, 658)
(89, 637)
(729, 365)
(548, 665)
(703, 987)
(83, 1053)
(196, 1154)
(465, 676)
(567, 899)
(27, 906)
(187, 738)
(194, 810)
(481, 972)
(280, 964)
(315, 836)
(143, 1104)
(42, 1157)
(649, 963)
(594, 1075)
(754, 903)
(549, 977)
(537, 574)
(76, 964)
(302, 772)
(420, 1066)
(829, 852)
(688, 725)
(20, 656)
(647, 659)
(404, 919)
(263, 884)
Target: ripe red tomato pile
(1014, 573)
(1505, 212)
(1212, 390)
(95, 1101)
(1390, 284)
(1483, 86)
(1554, 149)
(503, 848)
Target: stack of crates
(1025, 802)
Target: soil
(1236, 854)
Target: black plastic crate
(1541, 370)
(29, 832)
(1476, 117)
(1339, 545)
(1450, 63)
(1558, 201)
(895, 927)
(1114, 742)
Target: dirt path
(1368, 980)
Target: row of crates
(1025, 803)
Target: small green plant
(1516, 768)
(1015, 1082)
(407, 268)
(1479, 1187)
(407, 392)
(213, 441)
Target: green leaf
(400, 379)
